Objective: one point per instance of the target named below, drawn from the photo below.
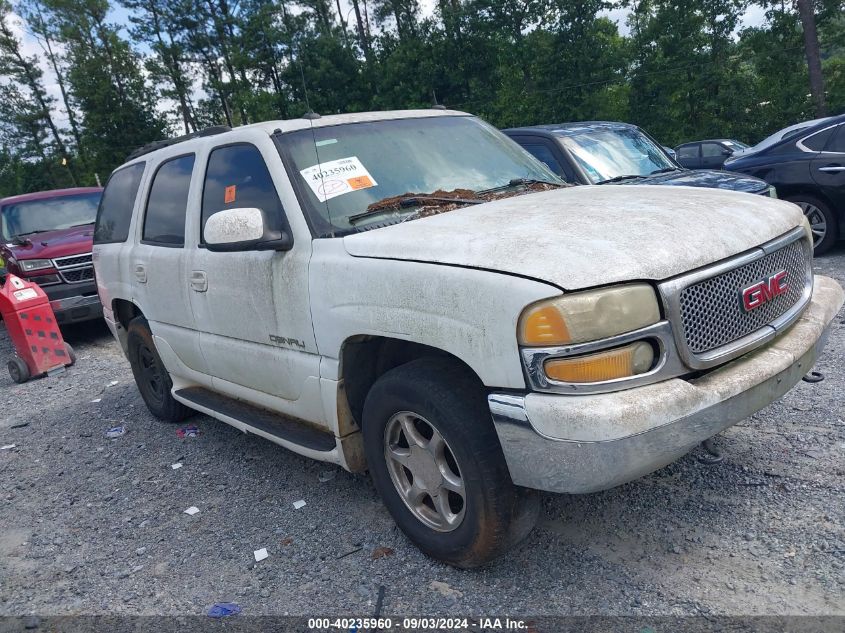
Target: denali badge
(764, 291)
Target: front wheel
(18, 370)
(436, 462)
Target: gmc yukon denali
(412, 294)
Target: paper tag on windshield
(337, 177)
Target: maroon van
(47, 238)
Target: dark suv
(807, 167)
(47, 239)
(602, 152)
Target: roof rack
(151, 147)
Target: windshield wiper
(619, 178)
(395, 204)
(21, 238)
(665, 170)
(518, 182)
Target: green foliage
(683, 69)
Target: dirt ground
(90, 525)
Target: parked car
(603, 152)
(807, 168)
(411, 293)
(709, 154)
(47, 238)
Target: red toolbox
(29, 319)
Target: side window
(816, 142)
(544, 154)
(709, 150)
(164, 221)
(837, 143)
(688, 151)
(237, 177)
(115, 211)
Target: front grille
(712, 313)
(79, 274)
(72, 261)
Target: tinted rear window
(115, 211)
(817, 141)
(167, 204)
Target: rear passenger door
(828, 167)
(252, 306)
(713, 155)
(160, 263)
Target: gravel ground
(93, 526)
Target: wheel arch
(124, 311)
(365, 358)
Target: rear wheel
(18, 370)
(436, 461)
(822, 221)
(152, 378)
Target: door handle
(141, 273)
(832, 168)
(199, 281)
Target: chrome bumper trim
(68, 303)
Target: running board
(269, 423)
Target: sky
(754, 16)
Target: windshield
(605, 153)
(341, 171)
(49, 214)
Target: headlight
(773, 193)
(28, 265)
(588, 316)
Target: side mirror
(243, 229)
(727, 152)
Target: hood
(580, 237)
(53, 244)
(707, 178)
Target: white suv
(413, 294)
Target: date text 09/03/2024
(356, 625)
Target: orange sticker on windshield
(229, 194)
(361, 182)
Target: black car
(601, 152)
(709, 154)
(807, 168)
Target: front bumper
(586, 443)
(72, 303)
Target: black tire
(831, 236)
(151, 377)
(71, 355)
(496, 513)
(18, 370)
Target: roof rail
(151, 147)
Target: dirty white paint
(471, 314)
(234, 225)
(589, 236)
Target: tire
(18, 370)
(821, 218)
(71, 355)
(438, 396)
(151, 377)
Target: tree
(811, 50)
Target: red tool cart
(39, 346)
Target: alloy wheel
(424, 471)
(818, 223)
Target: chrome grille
(72, 261)
(712, 313)
(79, 274)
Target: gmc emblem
(764, 291)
